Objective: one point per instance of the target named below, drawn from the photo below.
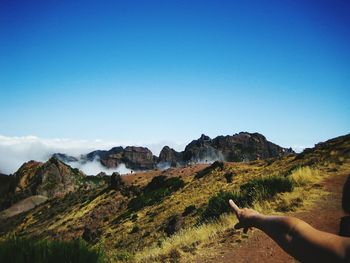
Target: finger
(234, 207)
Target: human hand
(247, 217)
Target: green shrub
(135, 229)
(216, 165)
(218, 205)
(228, 177)
(188, 210)
(25, 250)
(264, 188)
(123, 256)
(155, 191)
(258, 189)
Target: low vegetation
(24, 250)
(155, 191)
(258, 189)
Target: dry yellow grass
(305, 175)
(189, 237)
(304, 194)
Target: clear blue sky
(171, 70)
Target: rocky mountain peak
(204, 138)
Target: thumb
(234, 207)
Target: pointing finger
(234, 207)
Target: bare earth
(23, 206)
(324, 215)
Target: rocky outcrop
(65, 158)
(202, 151)
(239, 147)
(247, 147)
(113, 154)
(236, 148)
(135, 158)
(138, 158)
(170, 157)
(50, 179)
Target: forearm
(301, 240)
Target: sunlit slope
(162, 214)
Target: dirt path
(324, 215)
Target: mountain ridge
(240, 147)
(144, 210)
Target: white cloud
(95, 167)
(14, 151)
(300, 148)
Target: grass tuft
(22, 250)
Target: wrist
(257, 220)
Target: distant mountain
(65, 158)
(236, 148)
(51, 179)
(135, 158)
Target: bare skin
(295, 236)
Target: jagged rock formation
(202, 150)
(113, 154)
(138, 158)
(50, 179)
(65, 158)
(236, 148)
(135, 158)
(169, 157)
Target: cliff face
(57, 179)
(247, 147)
(135, 158)
(236, 148)
(233, 148)
(170, 157)
(50, 179)
(138, 158)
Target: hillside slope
(166, 216)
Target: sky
(146, 72)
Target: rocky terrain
(50, 179)
(240, 147)
(166, 215)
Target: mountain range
(167, 215)
(239, 147)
